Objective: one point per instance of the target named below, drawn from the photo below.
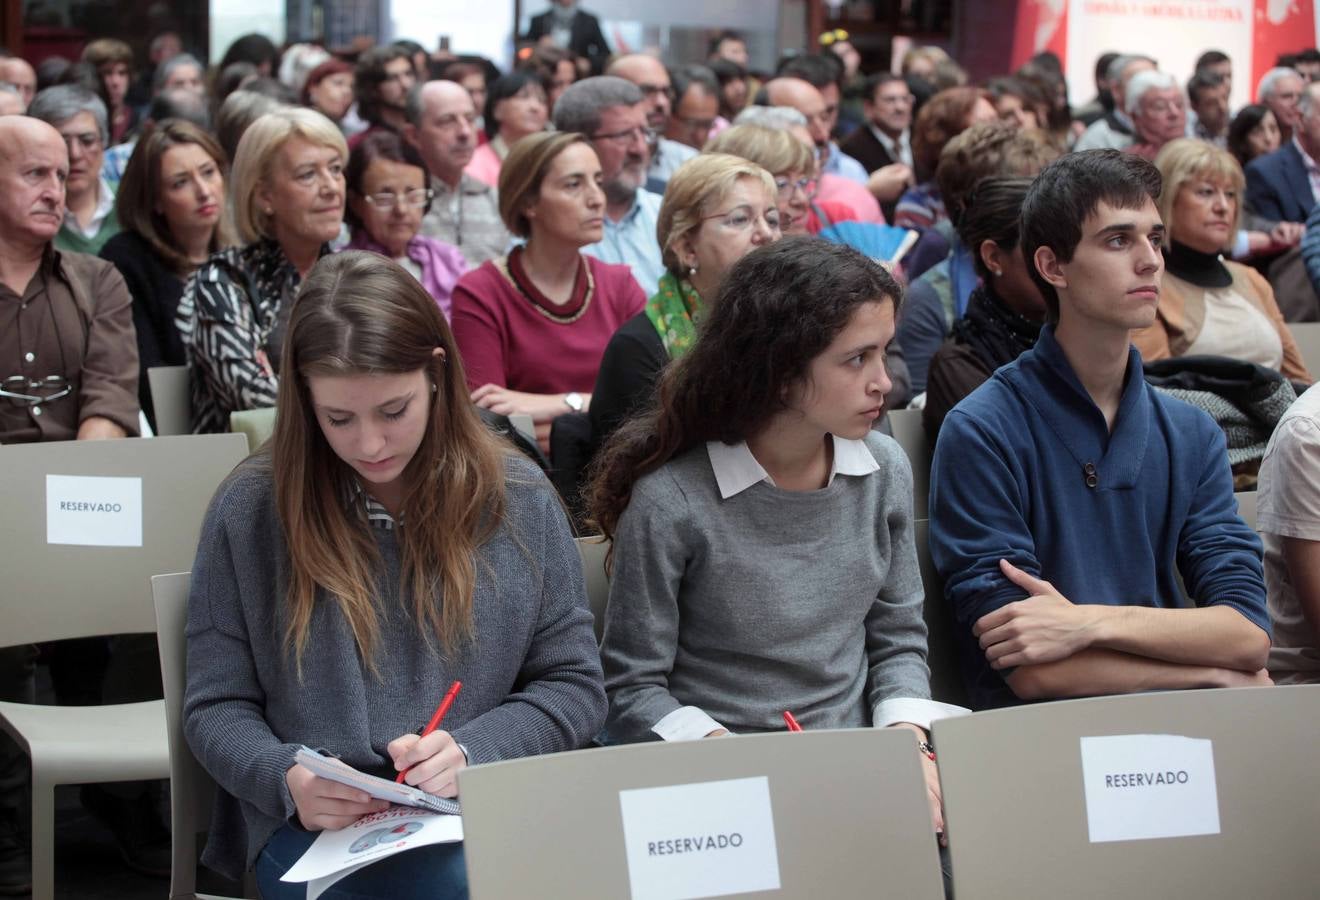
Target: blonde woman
(383, 546)
(1209, 305)
(717, 209)
(288, 203)
(789, 159)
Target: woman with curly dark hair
(763, 555)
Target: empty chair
(946, 684)
(1307, 336)
(593, 551)
(257, 424)
(911, 436)
(1017, 810)
(847, 808)
(57, 589)
(171, 399)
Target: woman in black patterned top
(288, 201)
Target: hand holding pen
(430, 761)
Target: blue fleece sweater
(1010, 480)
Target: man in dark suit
(1280, 185)
(573, 29)
(883, 145)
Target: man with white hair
(1283, 186)
(1116, 130)
(611, 112)
(1155, 103)
(1280, 89)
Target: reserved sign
(93, 511)
(709, 839)
(1141, 786)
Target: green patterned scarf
(673, 311)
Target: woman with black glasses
(387, 197)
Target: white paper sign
(700, 840)
(93, 511)
(1141, 786)
(372, 838)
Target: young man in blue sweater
(1067, 495)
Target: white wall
(474, 26)
(234, 18)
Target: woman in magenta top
(532, 326)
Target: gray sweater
(531, 679)
(768, 601)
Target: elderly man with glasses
(68, 369)
(652, 79)
(81, 119)
(611, 112)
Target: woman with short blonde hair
(288, 197)
(789, 160)
(717, 209)
(1210, 306)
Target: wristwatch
(573, 400)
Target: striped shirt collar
(736, 469)
(377, 515)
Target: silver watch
(573, 400)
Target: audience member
(1115, 130)
(89, 205)
(574, 29)
(256, 50)
(377, 437)
(1209, 306)
(729, 46)
(948, 114)
(49, 72)
(611, 113)
(1280, 89)
(1288, 519)
(473, 79)
(233, 78)
(1134, 475)
(421, 60)
(1005, 311)
(733, 90)
(532, 326)
(1158, 109)
(164, 46)
(1254, 132)
(171, 208)
(1103, 103)
(387, 197)
(1208, 96)
(68, 345)
(19, 72)
(328, 89)
(288, 202)
(1282, 186)
(464, 212)
(940, 295)
(652, 79)
(181, 72)
(515, 108)
(768, 419)
(884, 144)
(554, 66)
(825, 74)
(1216, 62)
(173, 103)
(381, 82)
(113, 61)
(717, 209)
(696, 106)
(1019, 102)
(787, 158)
(237, 114)
(296, 62)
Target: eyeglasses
(697, 124)
(786, 187)
(742, 218)
(415, 198)
(88, 140)
(896, 99)
(629, 135)
(655, 90)
(21, 390)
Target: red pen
(432, 725)
(791, 722)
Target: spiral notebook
(380, 788)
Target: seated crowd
(669, 270)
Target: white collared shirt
(736, 470)
(105, 203)
(1312, 170)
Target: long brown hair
(359, 313)
(776, 310)
(138, 197)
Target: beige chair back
(1016, 813)
(171, 399)
(1246, 501)
(593, 551)
(906, 425)
(946, 683)
(849, 814)
(257, 424)
(56, 591)
(1307, 336)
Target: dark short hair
(684, 77)
(1211, 58)
(1240, 128)
(503, 88)
(993, 212)
(727, 34)
(817, 70)
(1068, 192)
(1102, 64)
(1203, 80)
(251, 48)
(877, 81)
(1309, 55)
(380, 144)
